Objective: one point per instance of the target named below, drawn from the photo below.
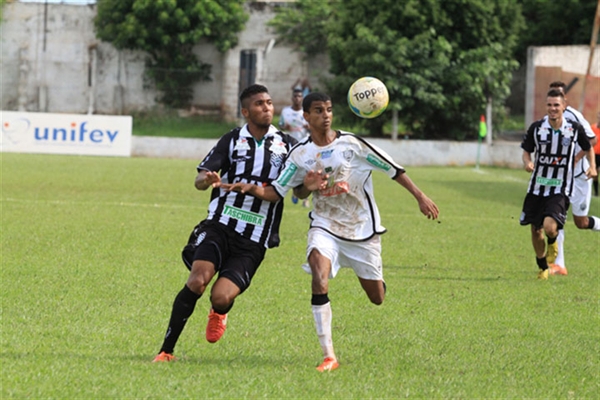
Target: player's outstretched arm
(426, 205)
(206, 179)
(267, 193)
(313, 180)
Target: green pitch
(91, 265)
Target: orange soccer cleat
(329, 364)
(164, 357)
(216, 326)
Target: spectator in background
(303, 85)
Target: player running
(233, 239)
(345, 226)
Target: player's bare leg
(374, 289)
(321, 307)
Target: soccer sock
(560, 257)
(183, 307)
(223, 311)
(552, 240)
(323, 316)
(594, 223)
(542, 263)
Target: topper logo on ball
(368, 97)
(369, 93)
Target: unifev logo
(66, 133)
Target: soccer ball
(368, 97)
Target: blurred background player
(233, 239)
(292, 122)
(581, 196)
(596, 129)
(553, 139)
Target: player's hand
(428, 208)
(591, 173)
(239, 187)
(315, 180)
(529, 167)
(212, 179)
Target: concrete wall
(52, 62)
(562, 63)
(405, 152)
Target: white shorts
(363, 257)
(581, 196)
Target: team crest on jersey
(278, 151)
(347, 154)
(242, 145)
(566, 141)
(278, 147)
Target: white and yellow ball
(368, 97)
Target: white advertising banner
(98, 135)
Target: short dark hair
(311, 98)
(297, 90)
(558, 84)
(251, 91)
(555, 93)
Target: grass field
(91, 265)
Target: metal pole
(593, 42)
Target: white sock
(596, 223)
(322, 315)
(560, 257)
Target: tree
(439, 59)
(552, 23)
(168, 30)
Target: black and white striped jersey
(240, 158)
(554, 155)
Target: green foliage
(200, 127)
(168, 30)
(303, 24)
(2, 2)
(91, 264)
(440, 60)
(552, 23)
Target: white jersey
(583, 164)
(346, 208)
(295, 118)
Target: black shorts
(234, 256)
(536, 208)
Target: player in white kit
(345, 226)
(581, 196)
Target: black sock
(319, 299)
(223, 311)
(590, 223)
(552, 240)
(183, 307)
(542, 263)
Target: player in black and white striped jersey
(581, 195)
(553, 139)
(233, 239)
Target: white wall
(405, 152)
(49, 69)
